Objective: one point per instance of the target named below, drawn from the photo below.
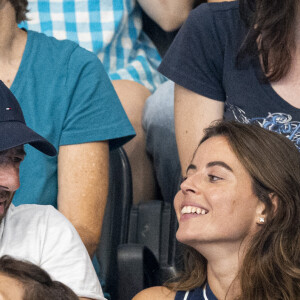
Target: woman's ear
(261, 214)
(274, 200)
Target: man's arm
(168, 14)
(193, 113)
(83, 188)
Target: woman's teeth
(193, 210)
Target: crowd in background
(89, 79)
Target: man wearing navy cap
(36, 233)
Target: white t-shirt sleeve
(66, 259)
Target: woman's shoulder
(157, 293)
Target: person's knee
(133, 97)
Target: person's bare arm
(168, 14)
(193, 113)
(83, 188)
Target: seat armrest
(137, 270)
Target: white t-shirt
(43, 236)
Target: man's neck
(12, 43)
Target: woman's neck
(223, 264)
(221, 276)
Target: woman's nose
(188, 185)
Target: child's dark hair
(36, 282)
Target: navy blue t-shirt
(202, 58)
(197, 294)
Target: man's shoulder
(44, 40)
(26, 224)
(31, 213)
(35, 208)
(33, 221)
(58, 50)
(43, 236)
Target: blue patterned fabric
(110, 28)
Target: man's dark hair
(20, 7)
(36, 282)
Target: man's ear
(261, 214)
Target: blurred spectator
(21, 280)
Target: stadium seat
(150, 256)
(116, 218)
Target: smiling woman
(218, 184)
(239, 215)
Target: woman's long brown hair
(271, 34)
(271, 267)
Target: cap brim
(14, 134)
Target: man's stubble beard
(7, 197)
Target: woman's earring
(261, 220)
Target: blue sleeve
(195, 58)
(95, 112)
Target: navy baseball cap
(14, 131)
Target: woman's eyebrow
(219, 163)
(191, 167)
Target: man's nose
(9, 177)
